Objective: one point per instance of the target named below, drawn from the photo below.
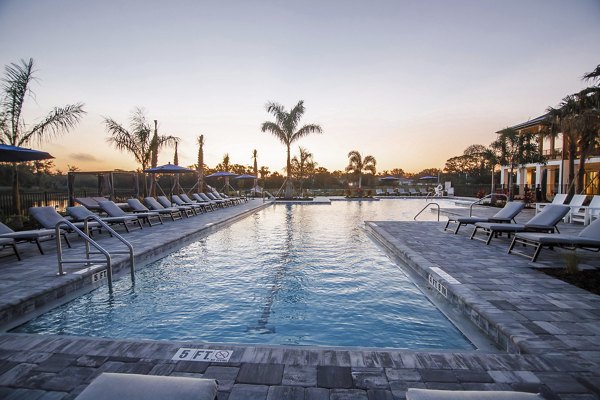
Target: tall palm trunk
(289, 188)
(359, 180)
(16, 197)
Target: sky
(411, 83)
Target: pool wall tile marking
(202, 355)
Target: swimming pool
(287, 274)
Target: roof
(528, 124)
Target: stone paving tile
(299, 375)
(334, 377)
(285, 392)
(348, 394)
(313, 393)
(378, 394)
(370, 378)
(260, 374)
(248, 392)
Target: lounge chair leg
(14, 246)
(512, 244)
(39, 246)
(536, 253)
(474, 232)
(457, 228)
(64, 235)
(447, 223)
(489, 239)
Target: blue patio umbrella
(426, 177)
(389, 178)
(10, 153)
(245, 176)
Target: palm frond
(369, 160)
(277, 110)
(304, 131)
(16, 87)
(593, 76)
(58, 121)
(276, 130)
(296, 114)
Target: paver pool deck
(548, 332)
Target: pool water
(287, 274)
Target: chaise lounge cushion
(432, 394)
(112, 386)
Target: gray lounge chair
(154, 205)
(110, 386)
(49, 218)
(545, 221)
(412, 192)
(8, 242)
(35, 235)
(80, 213)
(588, 239)
(213, 199)
(113, 210)
(137, 207)
(437, 394)
(206, 204)
(91, 203)
(505, 215)
(215, 196)
(198, 208)
(187, 210)
(203, 197)
(402, 192)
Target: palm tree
(14, 131)
(300, 165)
(515, 149)
(285, 128)
(255, 167)
(357, 165)
(225, 162)
(138, 140)
(200, 166)
(594, 75)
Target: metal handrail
(481, 199)
(90, 242)
(427, 206)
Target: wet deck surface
(549, 331)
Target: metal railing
(427, 206)
(89, 242)
(485, 197)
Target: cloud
(83, 157)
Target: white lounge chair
(558, 199)
(586, 214)
(576, 202)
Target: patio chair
(223, 202)
(234, 199)
(586, 214)
(412, 192)
(587, 239)
(187, 210)
(213, 203)
(154, 205)
(506, 215)
(402, 192)
(558, 199)
(545, 221)
(113, 210)
(575, 203)
(110, 385)
(7, 242)
(389, 192)
(437, 394)
(91, 203)
(198, 208)
(137, 207)
(48, 218)
(80, 213)
(379, 192)
(206, 204)
(35, 235)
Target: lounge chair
(505, 215)
(203, 197)
(154, 205)
(137, 207)
(206, 204)
(389, 192)
(35, 235)
(379, 192)
(545, 221)
(575, 203)
(49, 218)
(198, 208)
(412, 192)
(437, 394)
(222, 202)
(187, 210)
(586, 214)
(110, 385)
(80, 213)
(113, 210)
(588, 239)
(235, 199)
(7, 242)
(558, 199)
(402, 192)
(91, 203)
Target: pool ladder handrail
(91, 242)
(427, 206)
(484, 197)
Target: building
(551, 178)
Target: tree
(593, 76)
(138, 140)
(200, 165)
(357, 165)
(285, 128)
(13, 129)
(516, 149)
(300, 165)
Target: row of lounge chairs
(150, 213)
(402, 192)
(537, 232)
(578, 213)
